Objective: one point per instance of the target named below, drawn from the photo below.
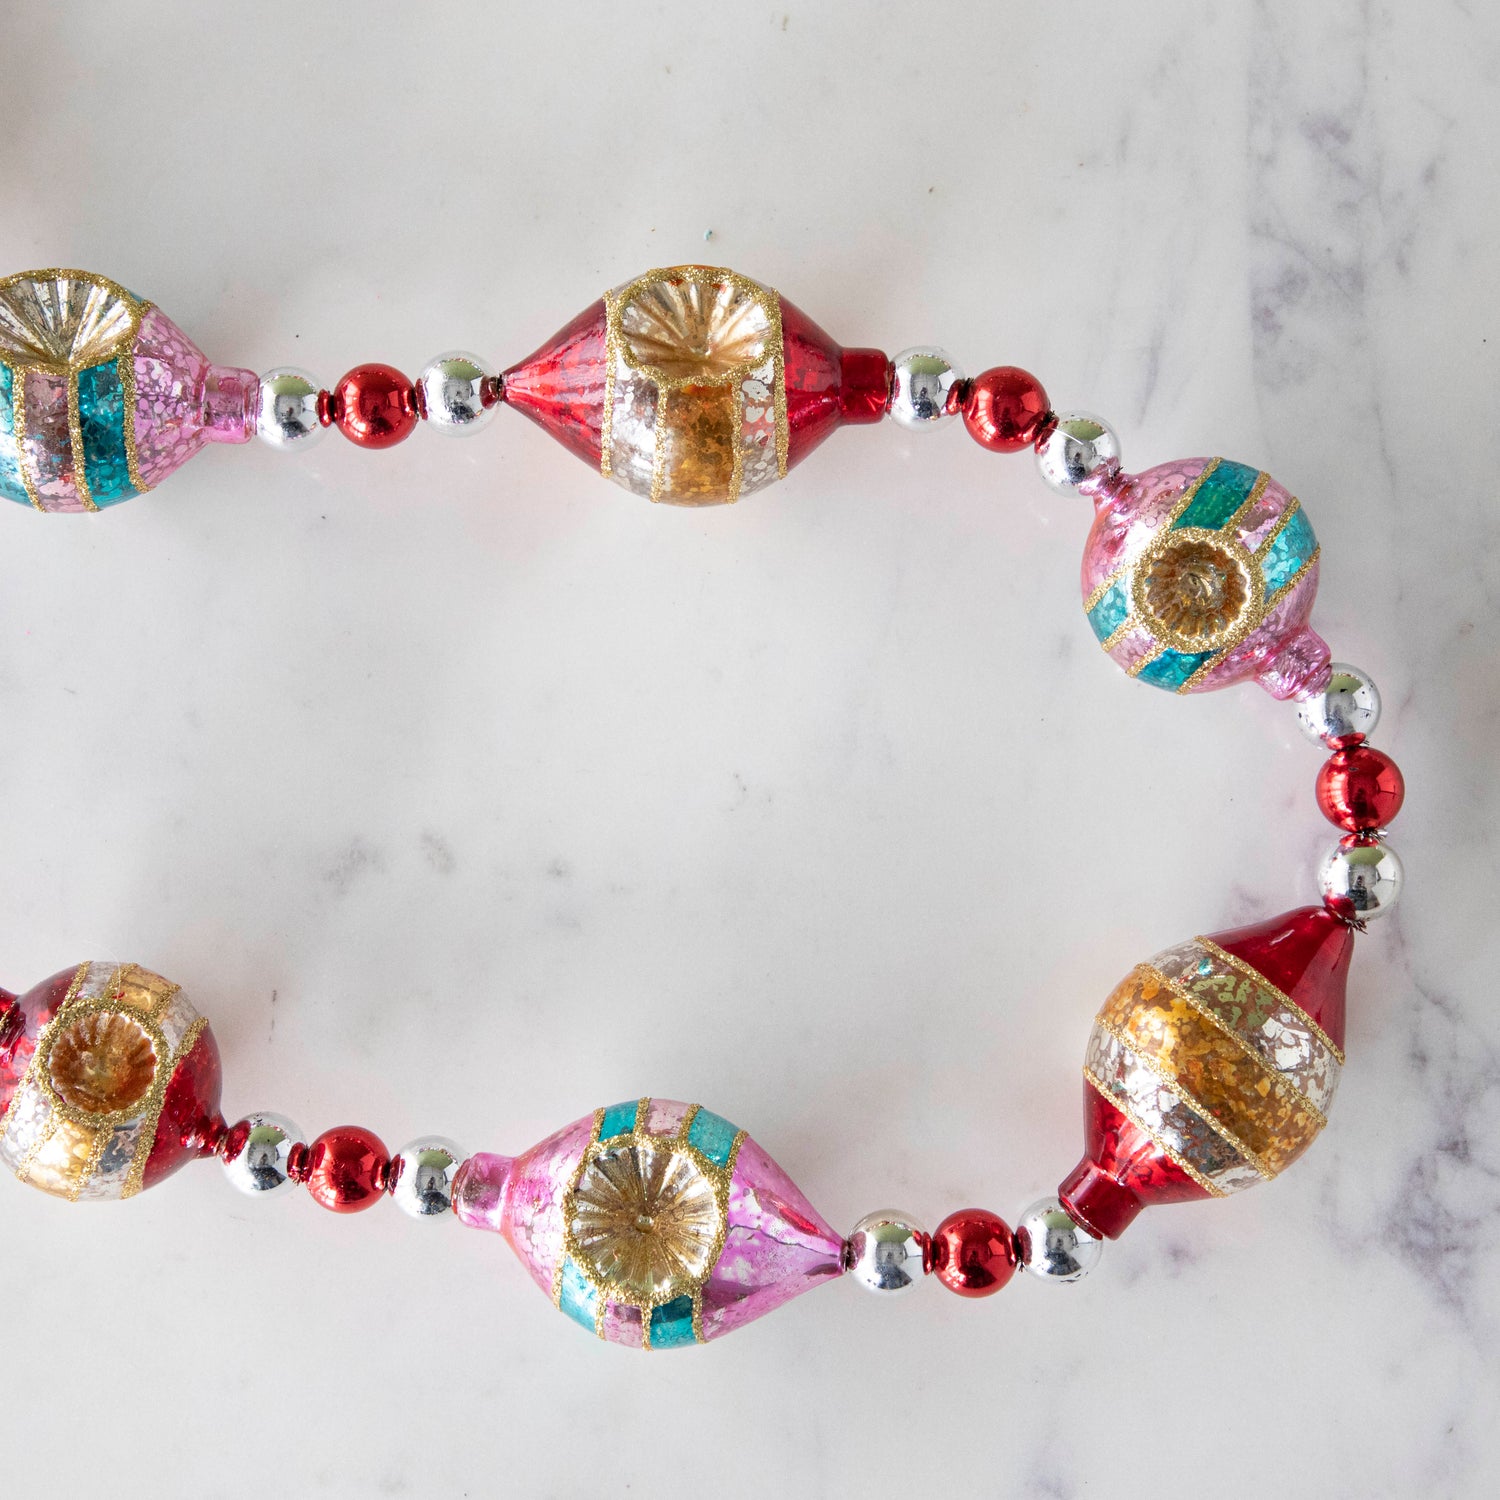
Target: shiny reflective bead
(1360, 788)
(344, 1170)
(455, 392)
(374, 406)
(973, 1252)
(1052, 1244)
(288, 412)
(256, 1153)
(1076, 449)
(1006, 409)
(925, 387)
(421, 1176)
(887, 1251)
(1344, 712)
(1360, 878)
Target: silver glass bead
(1360, 878)
(260, 1164)
(423, 1171)
(924, 387)
(288, 413)
(1078, 448)
(1052, 1244)
(1347, 708)
(450, 392)
(886, 1251)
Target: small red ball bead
(1006, 409)
(374, 406)
(1360, 788)
(346, 1168)
(973, 1252)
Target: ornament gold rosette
(54, 325)
(1207, 1057)
(83, 1119)
(645, 1218)
(1197, 590)
(695, 386)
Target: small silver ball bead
(450, 392)
(288, 414)
(424, 1170)
(260, 1165)
(886, 1251)
(924, 390)
(1360, 878)
(1052, 1244)
(1347, 708)
(1078, 448)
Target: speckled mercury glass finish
(106, 1088)
(653, 1223)
(1202, 573)
(103, 394)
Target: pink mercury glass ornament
(653, 1223)
(1201, 573)
(102, 395)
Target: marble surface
(465, 792)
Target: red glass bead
(973, 1252)
(1360, 788)
(1006, 409)
(374, 406)
(345, 1168)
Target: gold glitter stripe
(1190, 494)
(1209, 1070)
(1183, 993)
(1165, 1146)
(1293, 506)
(659, 445)
(1140, 664)
(1252, 973)
(1248, 504)
(23, 1170)
(151, 1118)
(96, 1150)
(1180, 1093)
(607, 424)
(778, 387)
(1103, 589)
(75, 437)
(125, 367)
(736, 438)
(18, 426)
(1119, 633)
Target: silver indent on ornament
(924, 387)
(1079, 448)
(886, 1251)
(1346, 710)
(1360, 878)
(1053, 1245)
(422, 1174)
(288, 412)
(259, 1165)
(451, 392)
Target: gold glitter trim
(1165, 1146)
(736, 437)
(1175, 1085)
(1293, 506)
(75, 437)
(18, 428)
(604, 1289)
(1188, 998)
(1103, 589)
(1190, 492)
(96, 1151)
(136, 309)
(1254, 974)
(1120, 632)
(23, 1171)
(617, 347)
(1140, 664)
(125, 366)
(1257, 490)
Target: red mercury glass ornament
(374, 406)
(1360, 788)
(344, 1169)
(1006, 409)
(1211, 1067)
(973, 1252)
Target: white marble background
(466, 793)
